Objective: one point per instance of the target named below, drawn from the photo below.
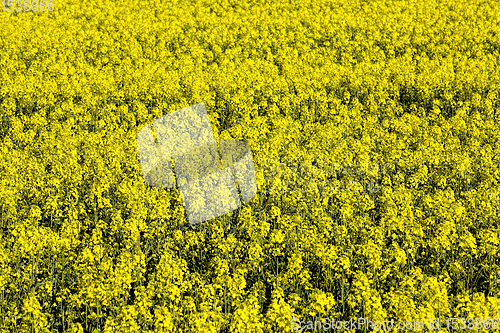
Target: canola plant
(374, 130)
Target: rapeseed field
(374, 128)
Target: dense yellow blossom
(374, 128)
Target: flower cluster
(373, 127)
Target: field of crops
(374, 128)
